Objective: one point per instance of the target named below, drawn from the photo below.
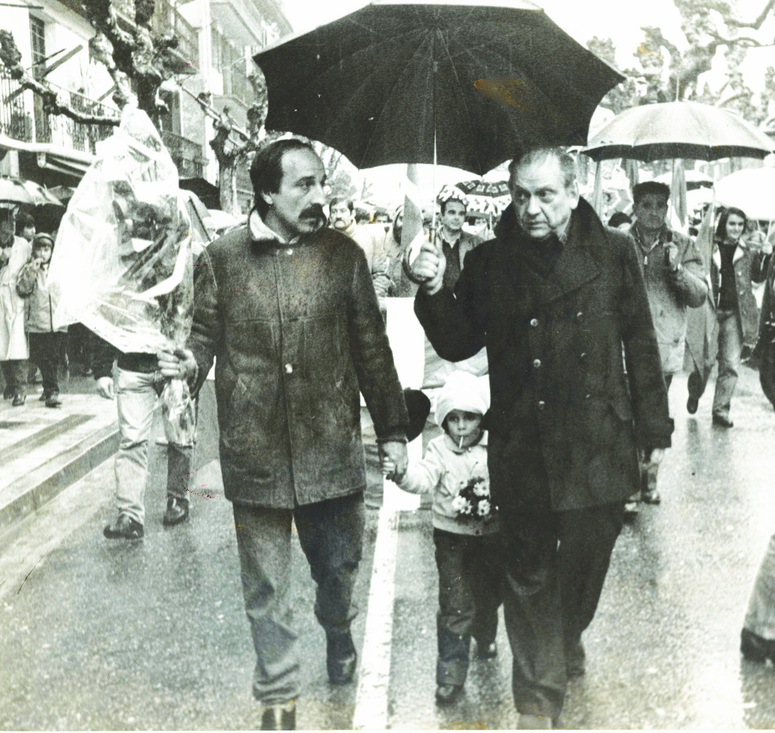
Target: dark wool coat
(297, 332)
(565, 418)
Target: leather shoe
(691, 405)
(755, 648)
(279, 717)
(722, 421)
(177, 511)
(486, 650)
(53, 400)
(341, 658)
(445, 694)
(19, 399)
(125, 528)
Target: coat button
(533, 322)
(541, 405)
(289, 251)
(536, 363)
(580, 316)
(289, 368)
(583, 356)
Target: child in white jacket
(465, 530)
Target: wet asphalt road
(152, 635)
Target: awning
(65, 160)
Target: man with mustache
(287, 307)
(367, 236)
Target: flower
(484, 508)
(473, 501)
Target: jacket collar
(260, 232)
(576, 265)
(740, 251)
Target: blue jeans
(331, 536)
(136, 397)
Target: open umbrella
(18, 191)
(678, 130)
(462, 84)
(751, 190)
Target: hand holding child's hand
(393, 459)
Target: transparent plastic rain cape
(122, 263)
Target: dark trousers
(48, 352)
(470, 586)
(331, 535)
(15, 375)
(555, 566)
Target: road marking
(371, 699)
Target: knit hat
(463, 391)
(43, 240)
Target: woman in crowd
(736, 262)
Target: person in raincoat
(735, 264)
(14, 352)
(673, 272)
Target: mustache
(315, 210)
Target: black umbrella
(464, 85)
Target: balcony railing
(167, 21)
(186, 154)
(22, 118)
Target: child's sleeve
(26, 280)
(423, 476)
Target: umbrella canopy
(464, 85)
(694, 180)
(18, 191)
(678, 130)
(751, 190)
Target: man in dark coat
(287, 309)
(556, 298)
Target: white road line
(371, 700)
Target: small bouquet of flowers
(474, 502)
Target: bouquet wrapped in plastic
(122, 263)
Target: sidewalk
(45, 450)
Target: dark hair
(443, 204)
(639, 190)
(266, 171)
(538, 154)
(721, 227)
(43, 240)
(618, 218)
(23, 221)
(338, 199)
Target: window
(38, 45)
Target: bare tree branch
(52, 101)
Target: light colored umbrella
(20, 191)
(750, 189)
(688, 130)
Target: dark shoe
(279, 717)
(125, 528)
(691, 405)
(53, 400)
(19, 399)
(631, 509)
(755, 648)
(446, 694)
(340, 658)
(486, 650)
(575, 661)
(650, 496)
(177, 512)
(43, 397)
(720, 420)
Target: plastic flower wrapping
(473, 500)
(122, 263)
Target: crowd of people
(543, 454)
